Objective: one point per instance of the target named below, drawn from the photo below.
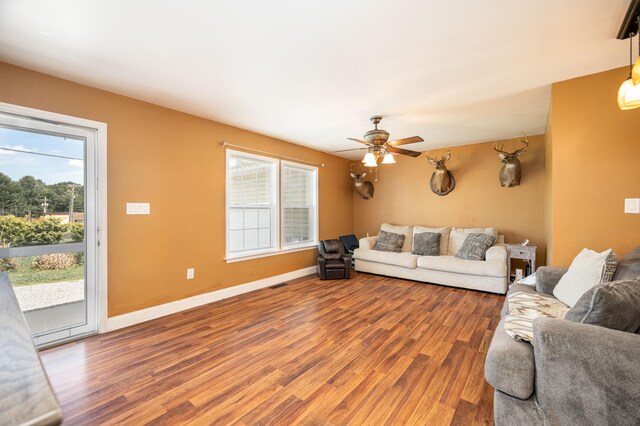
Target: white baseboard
(136, 317)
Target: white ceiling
(312, 72)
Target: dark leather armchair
(333, 263)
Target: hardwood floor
(370, 350)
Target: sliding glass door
(48, 224)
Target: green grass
(26, 275)
(31, 276)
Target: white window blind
(252, 194)
(299, 204)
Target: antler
(432, 161)
(524, 148)
(499, 150)
(515, 153)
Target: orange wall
(173, 160)
(596, 165)
(402, 194)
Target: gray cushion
(629, 266)
(475, 246)
(388, 241)
(614, 305)
(426, 244)
(510, 366)
(627, 270)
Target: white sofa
(489, 275)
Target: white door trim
(101, 192)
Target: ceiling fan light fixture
(629, 95)
(629, 92)
(388, 159)
(369, 159)
(635, 73)
(622, 93)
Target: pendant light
(635, 72)
(629, 92)
(388, 159)
(369, 160)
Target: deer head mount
(442, 181)
(365, 189)
(511, 169)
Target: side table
(518, 251)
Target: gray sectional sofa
(574, 374)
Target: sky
(49, 169)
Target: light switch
(191, 272)
(138, 208)
(632, 205)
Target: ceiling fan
(379, 146)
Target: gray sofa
(574, 374)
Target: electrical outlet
(191, 273)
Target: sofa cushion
(475, 246)
(331, 249)
(614, 305)
(389, 241)
(335, 264)
(444, 236)
(458, 235)
(627, 270)
(587, 270)
(407, 231)
(509, 366)
(426, 244)
(406, 260)
(462, 266)
(629, 266)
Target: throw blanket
(525, 307)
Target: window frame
(274, 198)
(278, 209)
(314, 188)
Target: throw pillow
(458, 235)
(388, 241)
(614, 305)
(444, 236)
(407, 231)
(475, 246)
(524, 308)
(587, 270)
(426, 244)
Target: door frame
(100, 191)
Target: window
(252, 199)
(299, 209)
(258, 208)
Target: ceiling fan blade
(352, 149)
(412, 139)
(404, 152)
(358, 140)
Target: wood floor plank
(369, 350)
